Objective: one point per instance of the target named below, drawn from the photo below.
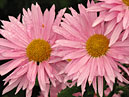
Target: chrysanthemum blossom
(28, 45)
(92, 56)
(116, 13)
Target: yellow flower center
(97, 45)
(126, 2)
(38, 50)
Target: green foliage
(69, 91)
(95, 0)
(36, 82)
(2, 3)
(89, 91)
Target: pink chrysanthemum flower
(28, 44)
(92, 56)
(116, 13)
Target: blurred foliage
(14, 7)
(90, 91)
(2, 3)
(69, 91)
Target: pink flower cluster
(82, 47)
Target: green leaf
(89, 91)
(69, 91)
(36, 82)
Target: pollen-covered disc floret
(97, 45)
(38, 50)
(126, 2)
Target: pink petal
(74, 13)
(109, 69)
(19, 71)
(20, 85)
(107, 6)
(48, 69)
(112, 1)
(98, 20)
(101, 70)
(107, 78)
(32, 71)
(110, 85)
(7, 67)
(110, 16)
(83, 86)
(125, 80)
(114, 66)
(45, 22)
(12, 86)
(29, 93)
(96, 8)
(79, 64)
(116, 33)
(15, 54)
(72, 31)
(119, 17)
(50, 21)
(6, 43)
(72, 44)
(59, 16)
(110, 26)
(30, 85)
(54, 59)
(119, 76)
(25, 84)
(62, 32)
(125, 19)
(72, 20)
(13, 38)
(95, 85)
(121, 44)
(100, 86)
(41, 77)
(92, 71)
(85, 73)
(36, 15)
(126, 33)
(125, 69)
(27, 20)
(76, 54)
(70, 65)
(117, 8)
(82, 9)
(85, 20)
(114, 54)
(19, 17)
(20, 29)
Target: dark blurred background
(14, 8)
